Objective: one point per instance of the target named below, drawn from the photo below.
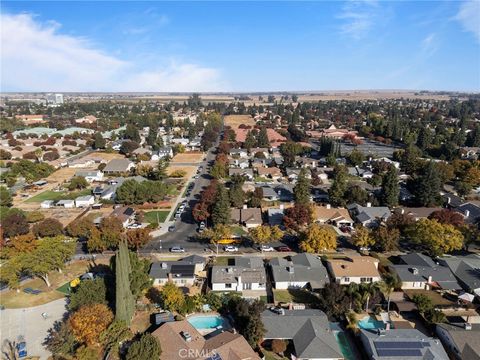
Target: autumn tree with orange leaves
(89, 322)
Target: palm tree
(352, 321)
(352, 289)
(389, 283)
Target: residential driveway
(29, 323)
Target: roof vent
(290, 269)
(414, 271)
(467, 326)
(186, 336)
(164, 265)
(229, 270)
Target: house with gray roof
(467, 271)
(418, 271)
(90, 175)
(115, 166)
(247, 173)
(244, 274)
(181, 273)
(369, 216)
(302, 270)
(470, 212)
(275, 216)
(462, 341)
(401, 344)
(309, 331)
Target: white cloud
(358, 18)
(37, 57)
(430, 44)
(469, 16)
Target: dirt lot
(236, 120)
(191, 170)
(188, 157)
(104, 156)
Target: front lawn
(58, 195)
(157, 216)
(222, 260)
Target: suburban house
(467, 271)
(308, 330)
(162, 153)
(90, 175)
(333, 216)
(115, 166)
(181, 273)
(402, 344)
(333, 133)
(273, 173)
(125, 214)
(239, 163)
(421, 272)
(81, 163)
(198, 261)
(245, 274)
(417, 213)
(239, 153)
(470, 212)
(302, 270)
(255, 151)
(248, 217)
(247, 173)
(275, 216)
(179, 339)
(84, 201)
(356, 269)
(461, 340)
(89, 119)
(369, 216)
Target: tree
(221, 208)
(297, 216)
(14, 224)
(217, 233)
(99, 141)
(114, 335)
(128, 147)
(436, 237)
(124, 299)
(111, 230)
(262, 138)
(264, 234)
(333, 300)
(88, 292)
(77, 183)
(48, 228)
(80, 228)
(136, 238)
(5, 197)
(145, 348)
(255, 197)
(279, 346)
(250, 141)
(362, 237)
(21, 244)
(172, 296)
(428, 185)
(200, 212)
(387, 238)
(356, 157)
(89, 322)
(446, 216)
(317, 238)
(301, 191)
(131, 132)
(236, 194)
(50, 254)
(139, 276)
(336, 193)
(35, 216)
(390, 187)
(388, 285)
(60, 339)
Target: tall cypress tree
(428, 186)
(221, 208)
(124, 301)
(262, 139)
(390, 188)
(302, 189)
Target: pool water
(369, 323)
(344, 346)
(202, 322)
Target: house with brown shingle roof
(272, 173)
(334, 216)
(356, 269)
(248, 217)
(180, 340)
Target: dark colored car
(284, 249)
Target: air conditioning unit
(467, 326)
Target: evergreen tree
(250, 141)
(221, 208)
(124, 302)
(151, 137)
(390, 187)
(338, 189)
(262, 139)
(99, 142)
(302, 189)
(428, 185)
(131, 132)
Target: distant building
(89, 119)
(31, 119)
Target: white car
(266, 248)
(134, 226)
(230, 248)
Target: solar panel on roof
(182, 269)
(215, 357)
(399, 352)
(398, 345)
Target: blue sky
(240, 46)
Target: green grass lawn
(222, 260)
(58, 195)
(294, 295)
(154, 217)
(238, 231)
(65, 288)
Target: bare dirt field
(190, 170)
(369, 95)
(234, 121)
(104, 156)
(188, 157)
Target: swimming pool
(369, 323)
(205, 322)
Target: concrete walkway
(29, 324)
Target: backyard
(294, 295)
(58, 195)
(157, 216)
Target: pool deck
(204, 332)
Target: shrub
(48, 228)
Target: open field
(188, 157)
(58, 195)
(235, 121)
(190, 170)
(104, 156)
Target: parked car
(171, 228)
(202, 225)
(230, 248)
(177, 249)
(196, 176)
(134, 226)
(266, 248)
(284, 249)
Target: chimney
(403, 211)
(414, 271)
(186, 336)
(369, 204)
(245, 206)
(282, 206)
(429, 280)
(329, 206)
(467, 213)
(449, 199)
(290, 269)
(164, 265)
